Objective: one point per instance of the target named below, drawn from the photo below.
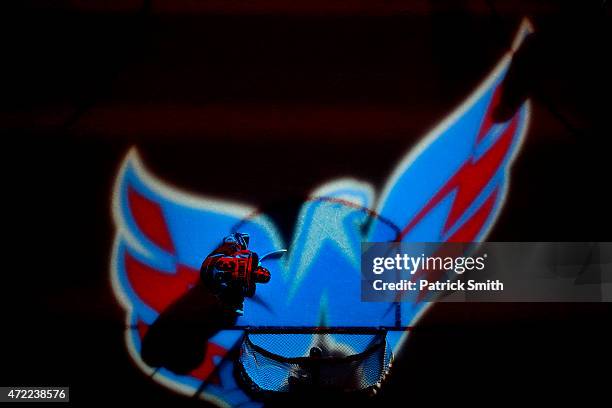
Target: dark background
(290, 95)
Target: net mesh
(333, 361)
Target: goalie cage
(325, 359)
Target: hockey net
(336, 361)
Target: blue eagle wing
(166, 229)
(163, 235)
(452, 185)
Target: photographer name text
(429, 266)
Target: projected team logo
(450, 187)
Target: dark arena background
(261, 102)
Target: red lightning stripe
(142, 328)
(488, 120)
(467, 233)
(471, 228)
(155, 288)
(468, 181)
(149, 217)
